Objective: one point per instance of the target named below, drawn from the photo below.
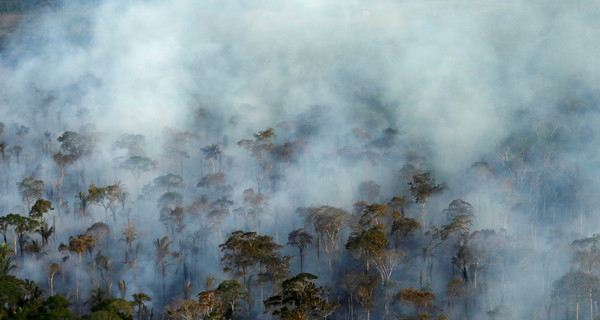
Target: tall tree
(259, 148)
(40, 208)
(79, 245)
(424, 187)
(212, 153)
(300, 299)
(574, 288)
(164, 258)
(300, 238)
(367, 245)
(328, 222)
(30, 190)
(139, 302)
(421, 300)
(20, 227)
(62, 160)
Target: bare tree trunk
(475, 275)
(52, 284)
(423, 216)
(591, 306)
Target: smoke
(455, 80)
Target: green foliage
(77, 144)
(231, 292)
(19, 226)
(64, 159)
(58, 308)
(103, 315)
(139, 302)
(373, 216)
(423, 187)
(6, 259)
(30, 190)
(300, 238)
(421, 300)
(300, 299)
(40, 208)
(246, 249)
(404, 226)
(11, 293)
(368, 244)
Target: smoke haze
(512, 83)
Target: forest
(305, 160)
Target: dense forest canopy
(299, 160)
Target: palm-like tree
(164, 258)
(6, 259)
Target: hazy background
(513, 83)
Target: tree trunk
(52, 284)
(591, 306)
(423, 216)
(301, 261)
(60, 181)
(475, 275)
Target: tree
(54, 268)
(19, 226)
(480, 173)
(424, 187)
(231, 292)
(369, 191)
(6, 259)
(421, 300)
(79, 245)
(167, 183)
(387, 262)
(586, 253)
(183, 310)
(245, 250)
(131, 234)
(139, 302)
(105, 264)
(328, 222)
(164, 258)
(210, 304)
(137, 165)
(214, 183)
(300, 238)
(212, 152)
(30, 190)
(375, 216)
(259, 148)
(300, 299)
(460, 215)
(57, 308)
(364, 291)
(134, 143)
(367, 245)
(77, 144)
(62, 160)
(45, 232)
(575, 287)
(106, 197)
(40, 208)
(98, 231)
(402, 227)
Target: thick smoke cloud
(454, 79)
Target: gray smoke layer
(455, 80)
